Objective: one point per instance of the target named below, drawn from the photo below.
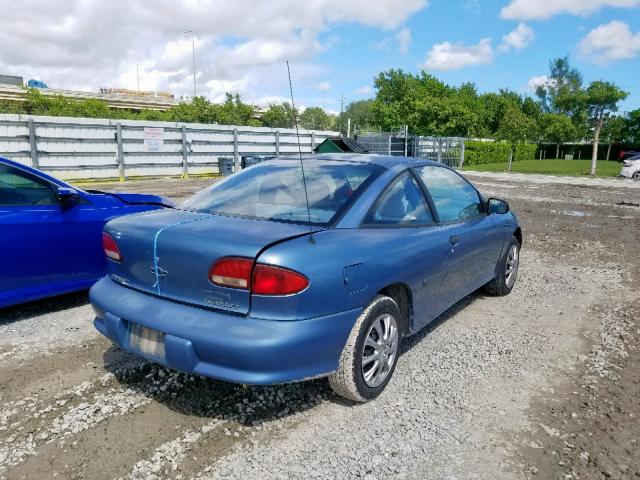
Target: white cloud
(542, 9)
(452, 56)
(365, 90)
(323, 86)
(539, 81)
(80, 44)
(403, 37)
(610, 42)
(517, 38)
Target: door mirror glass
(497, 206)
(67, 197)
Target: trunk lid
(186, 244)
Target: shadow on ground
(28, 310)
(192, 394)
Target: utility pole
(138, 75)
(193, 54)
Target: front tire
(636, 176)
(506, 271)
(370, 355)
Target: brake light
(269, 280)
(237, 272)
(232, 272)
(110, 247)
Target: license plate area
(146, 340)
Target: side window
(402, 204)
(20, 188)
(455, 199)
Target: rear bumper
(226, 347)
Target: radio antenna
(295, 121)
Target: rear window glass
(275, 191)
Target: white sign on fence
(153, 139)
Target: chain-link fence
(447, 150)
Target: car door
(475, 238)
(412, 246)
(44, 246)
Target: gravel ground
(541, 383)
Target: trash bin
(251, 160)
(225, 166)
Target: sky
(335, 47)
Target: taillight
(232, 272)
(269, 280)
(237, 272)
(110, 247)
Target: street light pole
(138, 75)
(193, 54)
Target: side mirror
(495, 205)
(67, 197)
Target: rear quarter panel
(379, 261)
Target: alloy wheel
(511, 270)
(380, 350)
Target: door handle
(454, 239)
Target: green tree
(92, 108)
(360, 114)
(613, 131)
(558, 94)
(632, 127)
(396, 92)
(278, 116)
(443, 117)
(516, 127)
(557, 128)
(601, 98)
(233, 111)
(315, 118)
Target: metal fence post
(406, 134)
(277, 143)
(461, 153)
(439, 150)
(236, 157)
(510, 159)
(389, 147)
(120, 151)
(313, 140)
(185, 168)
(33, 143)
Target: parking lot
(542, 383)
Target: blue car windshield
(275, 191)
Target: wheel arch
(401, 294)
(518, 234)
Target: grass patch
(552, 167)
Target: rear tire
(370, 355)
(636, 176)
(506, 271)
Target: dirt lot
(543, 383)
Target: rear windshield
(275, 191)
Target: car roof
(386, 161)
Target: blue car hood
(137, 198)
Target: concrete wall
(81, 148)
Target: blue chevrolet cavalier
(50, 232)
(244, 283)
